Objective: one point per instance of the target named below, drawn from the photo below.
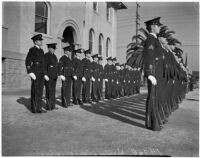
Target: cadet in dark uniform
(122, 80)
(78, 74)
(86, 77)
(51, 75)
(151, 52)
(138, 80)
(127, 81)
(65, 69)
(100, 79)
(113, 81)
(95, 75)
(108, 77)
(118, 83)
(35, 68)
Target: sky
(181, 17)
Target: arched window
(91, 39)
(100, 44)
(41, 17)
(108, 47)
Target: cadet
(127, 81)
(108, 78)
(151, 52)
(65, 68)
(86, 77)
(122, 80)
(51, 75)
(35, 68)
(114, 79)
(78, 74)
(100, 79)
(95, 75)
(118, 81)
(138, 80)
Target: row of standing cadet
(166, 76)
(84, 75)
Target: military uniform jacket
(126, 74)
(121, 76)
(86, 68)
(35, 61)
(101, 71)
(51, 65)
(78, 67)
(65, 66)
(151, 49)
(114, 71)
(94, 69)
(108, 71)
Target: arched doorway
(68, 35)
(68, 32)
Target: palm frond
(144, 31)
(136, 59)
(132, 44)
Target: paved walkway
(115, 127)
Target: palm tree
(134, 53)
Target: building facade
(87, 24)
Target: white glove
(93, 79)
(62, 77)
(129, 81)
(173, 81)
(99, 79)
(152, 79)
(32, 75)
(106, 80)
(124, 80)
(117, 82)
(112, 80)
(46, 77)
(83, 79)
(75, 77)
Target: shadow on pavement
(27, 102)
(124, 109)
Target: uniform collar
(153, 34)
(37, 46)
(66, 55)
(51, 53)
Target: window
(41, 17)
(108, 47)
(107, 12)
(100, 44)
(95, 5)
(91, 39)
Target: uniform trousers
(37, 93)
(86, 91)
(50, 93)
(66, 91)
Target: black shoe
(68, 105)
(65, 106)
(55, 108)
(41, 111)
(75, 102)
(80, 102)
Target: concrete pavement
(112, 128)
